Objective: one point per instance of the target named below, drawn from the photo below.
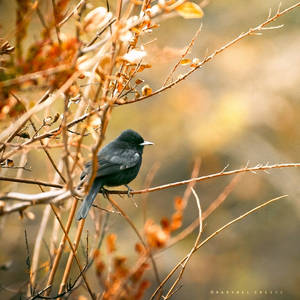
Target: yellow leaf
(146, 90)
(185, 61)
(190, 10)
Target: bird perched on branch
(118, 164)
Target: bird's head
(132, 137)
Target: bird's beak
(145, 143)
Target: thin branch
(212, 207)
(35, 75)
(56, 21)
(188, 257)
(115, 204)
(31, 181)
(207, 177)
(61, 248)
(40, 106)
(58, 196)
(251, 31)
(74, 250)
(17, 129)
(54, 132)
(81, 2)
(183, 55)
(37, 248)
(211, 236)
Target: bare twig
(213, 206)
(31, 181)
(81, 2)
(251, 31)
(183, 55)
(74, 250)
(211, 236)
(115, 204)
(56, 21)
(61, 247)
(58, 196)
(188, 257)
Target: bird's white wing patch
(131, 161)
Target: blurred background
(242, 107)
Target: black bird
(118, 164)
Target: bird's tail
(88, 201)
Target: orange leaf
(139, 248)
(176, 221)
(190, 10)
(156, 236)
(178, 203)
(100, 266)
(165, 223)
(111, 242)
(143, 67)
(139, 81)
(185, 61)
(96, 253)
(146, 90)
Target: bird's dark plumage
(118, 164)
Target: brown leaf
(10, 163)
(139, 248)
(165, 223)
(139, 81)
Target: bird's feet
(104, 192)
(129, 191)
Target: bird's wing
(109, 164)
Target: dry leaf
(176, 221)
(111, 242)
(178, 203)
(155, 235)
(96, 253)
(185, 61)
(139, 81)
(143, 67)
(10, 163)
(146, 90)
(139, 248)
(190, 10)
